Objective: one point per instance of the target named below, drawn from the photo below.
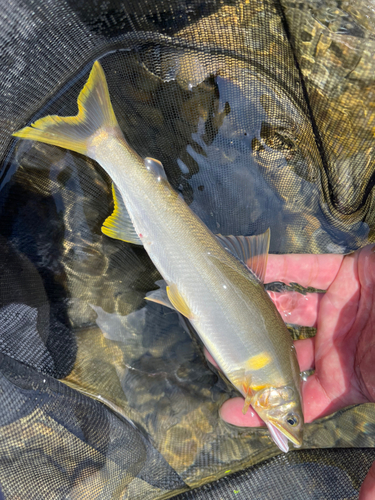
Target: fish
(215, 281)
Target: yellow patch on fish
(256, 388)
(258, 361)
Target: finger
(297, 308)
(338, 311)
(367, 491)
(210, 358)
(317, 271)
(231, 412)
(305, 353)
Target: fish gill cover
(261, 113)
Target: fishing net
(262, 115)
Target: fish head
(281, 410)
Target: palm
(345, 325)
(343, 350)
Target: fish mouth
(280, 436)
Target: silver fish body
(231, 311)
(225, 302)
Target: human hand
(343, 351)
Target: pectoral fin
(251, 250)
(248, 394)
(119, 225)
(178, 301)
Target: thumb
(367, 491)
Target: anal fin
(119, 225)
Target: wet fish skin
(225, 302)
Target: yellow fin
(178, 302)
(258, 361)
(73, 132)
(251, 250)
(119, 225)
(246, 405)
(247, 393)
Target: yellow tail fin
(73, 132)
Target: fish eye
(292, 420)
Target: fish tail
(95, 115)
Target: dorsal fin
(251, 250)
(119, 225)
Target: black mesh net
(262, 115)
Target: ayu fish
(206, 278)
